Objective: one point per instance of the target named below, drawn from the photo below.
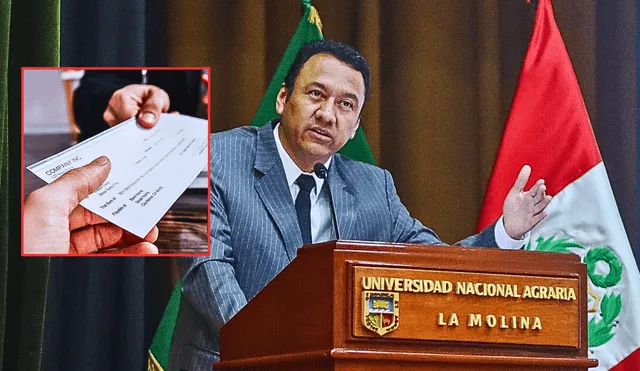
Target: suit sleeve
(91, 98)
(209, 284)
(407, 229)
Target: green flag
(161, 343)
(309, 29)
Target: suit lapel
(342, 199)
(273, 190)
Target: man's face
(322, 112)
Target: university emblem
(380, 311)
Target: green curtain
(29, 36)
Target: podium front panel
(425, 304)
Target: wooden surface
(183, 229)
(307, 317)
(350, 360)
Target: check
(150, 168)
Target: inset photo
(115, 161)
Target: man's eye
(347, 104)
(316, 93)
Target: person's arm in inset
(106, 98)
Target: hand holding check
(54, 223)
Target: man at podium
(280, 186)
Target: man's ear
(281, 99)
(355, 129)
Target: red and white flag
(549, 129)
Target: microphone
(321, 172)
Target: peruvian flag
(549, 129)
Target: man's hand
(54, 223)
(523, 210)
(146, 102)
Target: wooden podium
(351, 305)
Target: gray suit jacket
(255, 233)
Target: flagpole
(637, 244)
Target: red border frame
(22, 71)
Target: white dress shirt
(322, 228)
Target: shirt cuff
(504, 241)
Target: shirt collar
(291, 170)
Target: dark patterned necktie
(303, 206)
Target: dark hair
(340, 51)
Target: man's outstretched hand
(523, 210)
(146, 102)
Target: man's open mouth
(321, 133)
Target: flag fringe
(314, 18)
(153, 364)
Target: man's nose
(327, 112)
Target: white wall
(45, 110)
